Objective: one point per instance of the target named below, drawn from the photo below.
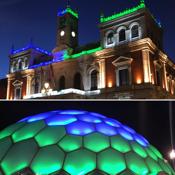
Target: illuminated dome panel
(71, 142)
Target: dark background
(22, 19)
(151, 119)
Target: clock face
(73, 34)
(62, 33)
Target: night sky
(151, 119)
(21, 20)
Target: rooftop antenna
(68, 3)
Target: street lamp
(172, 157)
(46, 90)
(172, 154)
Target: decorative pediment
(122, 60)
(17, 83)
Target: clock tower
(67, 30)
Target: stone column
(102, 74)
(146, 66)
(8, 89)
(28, 89)
(165, 77)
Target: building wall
(3, 88)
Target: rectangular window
(123, 77)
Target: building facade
(127, 63)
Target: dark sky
(22, 19)
(151, 119)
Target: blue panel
(106, 129)
(73, 112)
(125, 134)
(89, 118)
(97, 115)
(141, 140)
(80, 128)
(60, 119)
(112, 122)
(40, 117)
(129, 129)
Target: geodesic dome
(77, 143)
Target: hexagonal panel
(111, 161)
(164, 166)
(125, 134)
(61, 120)
(80, 162)
(106, 129)
(138, 149)
(153, 166)
(4, 146)
(9, 130)
(50, 135)
(48, 160)
(89, 118)
(28, 131)
(70, 143)
(96, 142)
(136, 164)
(156, 152)
(120, 144)
(80, 128)
(151, 153)
(19, 156)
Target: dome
(75, 142)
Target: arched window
(26, 63)
(94, 80)
(20, 65)
(135, 31)
(62, 83)
(77, 81)
(122, 35)
(110, 38)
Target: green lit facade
(77, 143)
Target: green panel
(4, 146)
(9, 130)
(127, 173)
(138, 149)
(50, 135)
(48, 160)
(19, 156)
(80, 162)
(136, 164)
(156, 152)
(120, 144)
(171, 169)
(76, 143)
(164, 166)
(151, 154)
(28, 131)
(111, 161)
(153, 166)
(96, 142)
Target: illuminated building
(75, 142)
(128, 62)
